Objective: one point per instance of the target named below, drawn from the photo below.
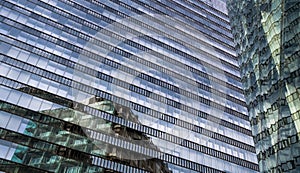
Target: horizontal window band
(273, 88)
(12, 166)
(137, 59)
(280, 145)
(97, 28)
(199, 23)
(151, 79)
(140, 75)
(266, 114)
(151, 131)
(165, 85)
(133, 56)
(99, 136)
(56, 150)
(267, 132)
(284, 167)
(94, 91)
(153, 113)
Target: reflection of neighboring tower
(51, 139)
(172, 62)
(57, 139)
(267, 41)
(118, 153)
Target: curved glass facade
(121, 86)
(267, 40)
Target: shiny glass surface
(124, 86)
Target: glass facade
(121, 86)
(266, 34)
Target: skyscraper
(267, 41)
(121, 86)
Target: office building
(266, 35)
(121, 86)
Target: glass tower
(121, 86)
(267, 41)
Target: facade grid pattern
(80, 94)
